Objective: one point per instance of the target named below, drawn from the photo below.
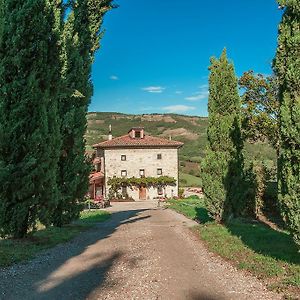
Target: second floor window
(142, 172)
(159, 171)
(159, 156)
(137, 134)
(123, 157)
(123, 173)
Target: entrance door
(142, 193)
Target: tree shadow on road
(53, 275)
(203, 296)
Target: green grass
(193, 208)
(269, 254)
(187, 180)
(14, 251)
(88, 218)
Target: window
(123, 173)
(142, 172)
(123, 157)
(160, 190)
(137, 134)
(158, 156)
(159, 171)
(124, 191)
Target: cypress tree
(287, 68)
(223, 164)
(29, 131)
(81, 38)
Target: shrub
(180, 193)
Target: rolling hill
(188, 129)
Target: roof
(136, 128)
(96, 176)
(147, 141)
(96, 161)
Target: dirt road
(142, 252)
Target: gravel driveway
(142, 252)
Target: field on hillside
(188, 129)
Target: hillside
(188, 129)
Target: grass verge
(267, 253)
(14, 251)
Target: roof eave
(137, 146)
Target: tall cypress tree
(28, 115)
(81, 38)
(287, 68)
(223, 164)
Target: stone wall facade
(148, 162)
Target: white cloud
(197, 97)
(178, 92)
(153, 89)
(178, 108)
(114, 77)
(201, 95)
(203, 86)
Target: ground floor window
(123, 173)
(160, 191)
(124, 191)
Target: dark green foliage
(287, 68)
(29, 127)
(80, 38)
(223, 163)
(255, 179)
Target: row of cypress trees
(223, 174)
(47, 49)
(287, 69)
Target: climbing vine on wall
(116, 183)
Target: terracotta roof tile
(95, 176)
(147, 141)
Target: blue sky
(155, 54)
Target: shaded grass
(14, 251)
(267, 253)
(193, 208)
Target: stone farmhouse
(135, 154)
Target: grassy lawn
(269, 254)
(187, 180)
(13, 251)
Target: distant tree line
(268, 110)
(47, 48)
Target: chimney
(170, 138)
(110, 134)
